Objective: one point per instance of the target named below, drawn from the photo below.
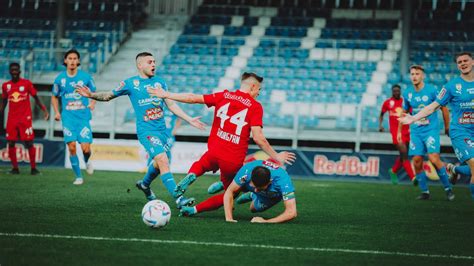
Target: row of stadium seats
(308, 4)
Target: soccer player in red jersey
(236, 115)
(17, 92)
(394, 107)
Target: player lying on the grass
(424, 135)
(394, 107)
(236, 115)
(459, 94)
(16, 92)
(151, 126)
(265, 184)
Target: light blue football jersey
(415, 101)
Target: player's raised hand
(57, 117)
(407, 119)
(83, 91)
(157, 92)
(257, 220)
(286, 157)
(197, 123)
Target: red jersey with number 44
(18, 95)
(234, 115)
(395, 110)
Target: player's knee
(161, 160)
(28, 144)
(72, 148)
(418, 163)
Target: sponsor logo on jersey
(22, 88)
(466, 118)
(458, 88)
(470, 90)
(85, 133)
(241, 99)
(469, 142)
(136, 83)
(17, 97)
(391, 103)
(430, 142)
(75, 105)
(271, 165)
(424, 98)
(347, 165)
(466, 105)
(155, 141)
(153, 114)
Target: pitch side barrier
(48, 153)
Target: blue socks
(421, 177)
(471, 186)
(168, 181)
(75, 166)
(463, 170)
(150, 175)
(87, 156)
(443, 177)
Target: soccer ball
(156, 214)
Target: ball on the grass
(156, 214)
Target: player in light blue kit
(424, 134)
(75, 111)
(265, 184)
(151, 127)
(459, 94)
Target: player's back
(234, 115)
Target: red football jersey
(18, 95)
(395, 110)
(234, 115)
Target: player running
(265, 184)
(151, 127)
(17, 92)
(459, 94)
(236, 115)
(424, 134)
(393, 105)
(75, 112)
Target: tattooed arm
(98, 96)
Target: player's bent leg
(149, 195)
(421, 177)
(184, 184)
(14, 161)
(442, 173)
(204, 164)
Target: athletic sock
(168, 181)
(397, 165)
(210, 204)
(422, 182)
(150, 175)
(87, 156)
(12, 155)
(75, 165)
(463, 170)
(444, 178)
(409, 169)
(471, 186)
(32, 154)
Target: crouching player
(265, 184)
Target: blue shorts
(77, 130)
(422, 143)
(463, 145)
(261, 203)
(156, 142)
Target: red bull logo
(347, 165)
(22, 153)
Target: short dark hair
(247, 75)
(461, 54)
(417, 67)
(13, 64)
(143, 54)
(396, 86)
(260, 176)
(72, 51)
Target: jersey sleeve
(256, 119)
(31, 89)
(242, 177)
(56, 88)
(444, 96)
(91, 84)
(384, 107)
(212, 99)
(4, 91)
(406, 105)
(121, 89)
(287, 189)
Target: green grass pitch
(45, 220)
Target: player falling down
(459, 94)
(236, 115)
(393, 105)
(16, 92)
(151, 128)
(424, 134)
(75, 112)
(265, 184)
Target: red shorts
(20, 130)
(405, 137)
(209, 162)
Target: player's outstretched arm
(98, 96)
(288, 214)
(193, 121)
(283, 157)
(42, 107)
(179, 97)
(229, 201)
(426, 111)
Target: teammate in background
(266, 184)
(424, 135)
(236, 114)
(151, 126)
(75, 112)
(459, 94)
(17, 92)
(393, 105)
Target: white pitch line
(200, 243)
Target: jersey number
(238, 119)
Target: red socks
(12, 155)
(397, 165)
(409, 169)
(32, 154)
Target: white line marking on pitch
(199, 243)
